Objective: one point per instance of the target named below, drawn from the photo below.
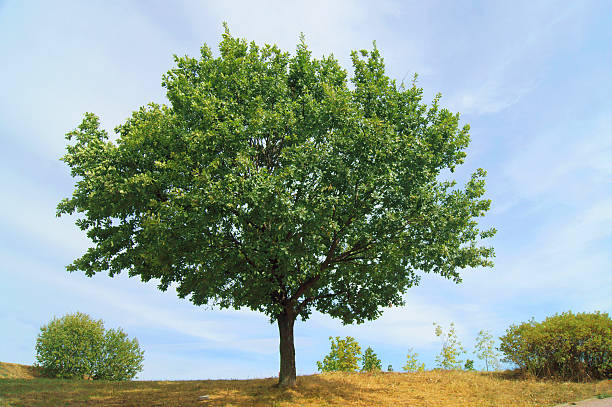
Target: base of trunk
(286, 382)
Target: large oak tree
(270, 182)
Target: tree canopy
(271, 181)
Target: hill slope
(431, 389)
(17, 371)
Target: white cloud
(68, 59)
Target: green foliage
(485, 350)
(75, 346)
(469, 365)
(449, 356)
(121, 358)
(268, 177)
(567, 346)
(390, 368)
(344, 356)
(412, 362)
(371, 363)
(274, 182)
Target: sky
(533, 80)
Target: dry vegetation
(432, 389)
(16, 371)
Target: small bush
(371, 363)
(412, 362)
(344, 356)
(567, 346)
(76, 346)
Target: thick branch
(305, 286)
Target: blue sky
(533, 80)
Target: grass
(432, 388)
(16, 371)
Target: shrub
(344, 356)
(469, 365)
(412, 362)
(371, 363)
(77, 346)
(567, 346)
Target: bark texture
(287, 372)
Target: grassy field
(432, 389)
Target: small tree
(451, 348)
(344, 356)
(412, 362)
(469, 365)
(485, 350)
(371, 363)
(76, 346)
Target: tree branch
(308, 300)
(305, 286)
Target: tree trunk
(286, 377)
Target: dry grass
(16, 371)
(432, 389)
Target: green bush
(469, 365)
(371, 363)
(344, 356)
(76, 346)
(567, 346)
(412, 362)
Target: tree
(485, 350)
(371, 363)
(77, 346)
(412, 362)
(451, 348)
(270, 183)
(344, 356)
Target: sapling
(449, 357)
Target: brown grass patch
(17, 371)
(432, 389)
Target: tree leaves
(268, 176)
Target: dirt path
(607, 402)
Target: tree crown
(269, 182)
